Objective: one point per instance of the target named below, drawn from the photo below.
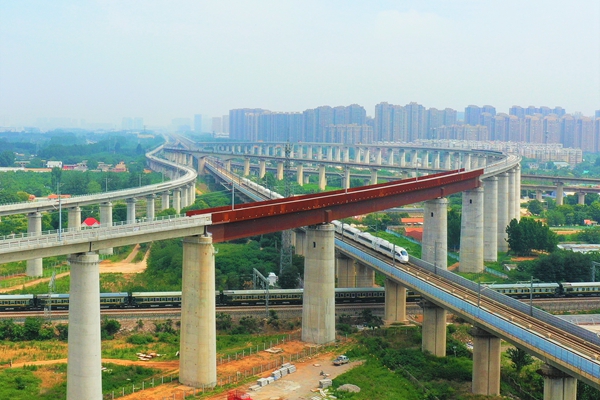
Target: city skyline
(103, 61)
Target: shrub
(140, 339)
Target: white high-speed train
(378, 244)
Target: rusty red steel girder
(275, 215)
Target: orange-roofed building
(412, 221)
(415, 233)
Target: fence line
(226, 380)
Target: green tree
(535, 207)
(453, 229)
(289, 278)
(7, 158)
(528, 234)
(519, 358)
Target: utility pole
(260, 278)
(285, 260)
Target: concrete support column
(433, 329)
(262, 168)
(436, 160)
(378, 156)
(490, 219)
(471, 231)
(502, 211)
(373, 176)
(538, 195)
(560, 193)
(346, 154)
(391, 157)
(198, 348)
(309, 153)
(486, 363)
(346, 272)
(557, 384)
(322, 178)
(435, 232)
(150, 207)
(192, 193)
(448, 161)
(84, 366)
(164, 201)
(365, 276)
(131, 210)
(201, 164)
(457, 160)
(402, 158)
(300, 174)
(106, 220)
(337, 154)
(581, 198)
(228, 165)
(184, 197)
(467, 162)
(279, 170)
(34, 228)
(259, 150)
(74, 219)
(177, 200)
(346, 183)
(318, 304)
(414, 159)
(300, 246)
(511, 195)
(246, 166)
(395, 302)
(330, 153)
(518, 193)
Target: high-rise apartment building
(472, 114)
(198, 123)
(415, 121)
(489, 109)
(217, 126)
(242, 126)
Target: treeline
(35, 328)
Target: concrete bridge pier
(557, 384)
(433, 329)
(518, 192)
(378, 156)
(486, 363)
(279, 170)
(471, 231)
(511, 195)
(346, 157)
(560, 192)
(184, 196)
(436, 160)
(367, 154)
(581, 198)
(414, 158)
(74, 218)
(435, 232)
(246, 166)
(150, 207)
(84, 374)
(262, 168)
(373, 176)
(192, 193)
(318, 304)
(346, 271)
(448, 161)
(390, 157)
(467, 163)
(365, 276)
(330, 153)
(177, 200)
(395, 302)
(309, 153)
(538, 195)
(490, 219)
(402, 158)
(337, 153)
(300, 174)
(106, 221)
(34, 228)
(131, 210)
(201, 165)
(198, 348)
(503, 217)
(300, 246)
(164, 200)
(322, 177)
(346, 183)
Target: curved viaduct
(198, 342)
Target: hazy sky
(104, 60)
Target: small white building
(54, 164)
